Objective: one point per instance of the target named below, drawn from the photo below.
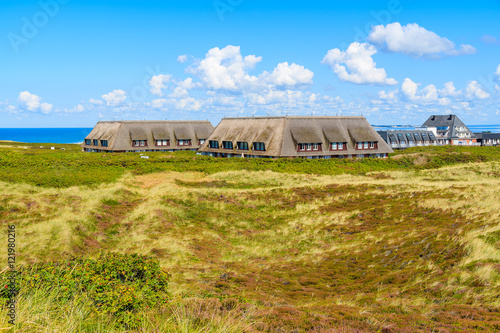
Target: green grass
(405, 244)
(71, 167)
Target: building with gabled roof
(450, 129)
(310, 137)
(402, 139)
(143, 136)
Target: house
(450, 130)
(145, 136)
(402, 139)
(309, 137)
(488, 139)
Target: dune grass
(401, 250)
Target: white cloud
(359, 65)
(115, 98)
(182, 58)
(449, 90)
(227, 69)
(158, 103)
(389, 96)
(414, 40)
(475, 90)
(157, 83)
(32, 102)
(188, 104)
(497, 73)
(409, 89)
(290, 76)
(182, 89)
(95, 101)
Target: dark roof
(406, 135)
(450, 121)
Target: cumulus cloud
(182, 89)
(497, 74)
(95, 101)
(32, 102)
(182, 58)
(415, 40)
(188, 104)
(290, 76)
(115, 98)
(475, 90)
(157, 83)
(227, 69)
(356, 65)
(449, 90)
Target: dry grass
(400, 251)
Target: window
(88, 142)
(242, 145)
(316, 146)
(184, 143)
(360, 145)
(259, 146)
(372, 145)
(334, 146)
(213, 144)
(104, 143)
(365, 145)
(309, 146)
(139, 143)
(162, 143)
(201, 141)
(96, 142)
(227, 144)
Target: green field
(187, 243)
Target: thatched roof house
(140, 136)
(311, 137)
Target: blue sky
(71, 63)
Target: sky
(72, 63)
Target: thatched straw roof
(120, 134)
(281, 135)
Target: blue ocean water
(45, 135)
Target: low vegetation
(407, 244)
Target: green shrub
(117, 284)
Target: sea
(77, 135)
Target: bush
(117, 284)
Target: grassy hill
(401, 245)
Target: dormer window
(88, 142)
(213, 144)
(227, 144)
(162, 143)
(260, 146)
(309, 146)
(242, 145)
(184, 143)
(96, 142)
(365, 145)
(140, 143)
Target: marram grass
(405, 245)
